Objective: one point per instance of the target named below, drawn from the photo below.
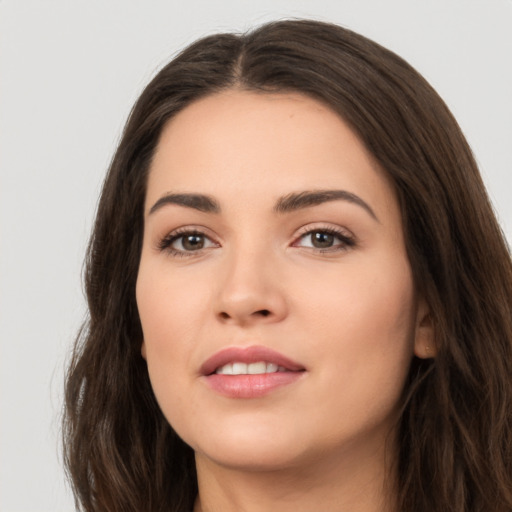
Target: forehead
(253, 145)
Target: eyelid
(323, 226)
(164, 243)
(343, 234)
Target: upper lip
(252, 354)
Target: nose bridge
(249, 291)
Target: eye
(183, 242)
(325, 240)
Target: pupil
(193, 242)
(322, 240)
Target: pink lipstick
(249, 372)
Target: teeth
(239, 368)
(227, 369)
(257, 368)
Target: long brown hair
(455, 430)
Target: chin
(251, 449)
(254, 459)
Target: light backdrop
(69, 73)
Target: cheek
(372, 302)
(363, 335)
(172, 312)
(171, 305)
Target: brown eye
(325, 240)
(186, 243)
(321, 239)
(192, 242)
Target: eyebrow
(199, 202)
(286, 204)
(306, 199)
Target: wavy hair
(455, 430)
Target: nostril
(261, 313)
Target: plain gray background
(69, 73)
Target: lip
(248, 355)
(249, 386)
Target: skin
(349, 313)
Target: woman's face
(272, 242)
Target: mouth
(249, 372)
(253, 360)
(258, 368)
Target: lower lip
(250, 386)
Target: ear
(143, 349)
(424, 336)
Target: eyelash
(166, 243)
(346, 241)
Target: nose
(250, 291)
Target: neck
(341, 484)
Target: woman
(299, 295)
